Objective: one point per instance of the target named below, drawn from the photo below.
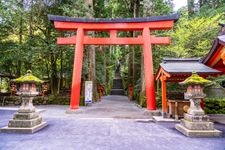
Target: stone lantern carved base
(195, 108)
(197, 124)
(25, 120)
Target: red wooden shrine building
(216, 56)
(82, 25)
(178, 69)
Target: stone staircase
(117, 88)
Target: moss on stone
(28, 78)
(195, 79)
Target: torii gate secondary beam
(111, 41)
(112, 26)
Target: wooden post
(176, 110)
(77, 70)
(164, 100)
(148, 70)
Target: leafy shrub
(214, 105)
(142, 100)
(62, 100)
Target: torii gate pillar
(148, 71)
(77, 70)
(145, 25)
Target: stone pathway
(113, 124)
(113, 106)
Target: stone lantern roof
(28, 78)
(195, 79)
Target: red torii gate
(81, 25)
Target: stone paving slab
(81, 132)
(160, 119)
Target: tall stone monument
(26, 119)
(195, 122)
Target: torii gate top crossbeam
(174, 17)
(93, 24)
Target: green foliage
(193, 37)
(75, 8)
(82, 103)
(214, 105)
(217, 81)
(159, 99)
(38, 100)
(142, 100)
(62, 100)
(4, 86)
(137, 89)
(162, 7)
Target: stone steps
(117, 84)
(117, 88)
(117, 92)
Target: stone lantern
(195, 122)
(26, 119)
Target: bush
(214, 105)
(142, 100)
(60, 100)
(159, 98)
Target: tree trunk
(105, 67)
(54, 78)
(108, 75)
(91, 53)
(136, 13)
(130, 65)
(61, 72)
(18, 68)
(148, 10)
(53, 63)
(47, 69)
(143, 90)
(201, 3)
(134, 9)
(29, 62)
(190, 7)
(91, 71)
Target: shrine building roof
(185, 65)
(182, 67)
(216, 47)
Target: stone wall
(212, 92)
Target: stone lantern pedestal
(26, 119)
(195, 122)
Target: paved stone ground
(113, 124)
